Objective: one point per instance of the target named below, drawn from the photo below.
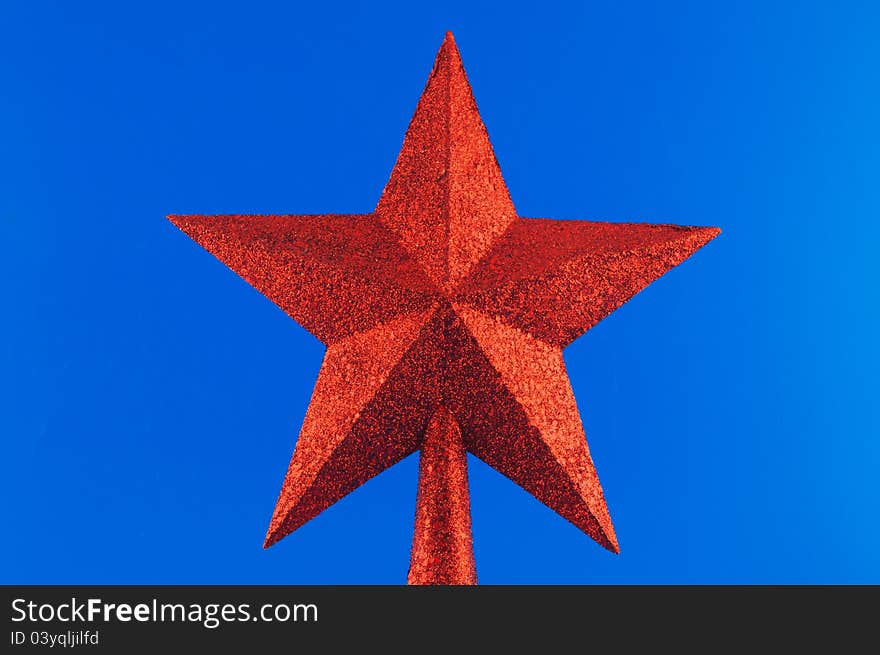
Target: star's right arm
(556, 279)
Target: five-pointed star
(443, 297)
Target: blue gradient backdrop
(151, 398)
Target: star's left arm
(334, 274)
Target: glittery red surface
(444, 304)
(442, 551)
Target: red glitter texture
(444, 316)
(442, 551)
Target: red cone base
(443, 548)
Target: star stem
(442, 549)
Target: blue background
(151, 398)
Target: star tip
(704, 235)
(710, 233)
(450, 47)
(276, 532)
(608, 539)
(176, 219)
(611, 544)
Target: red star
(444, 316)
